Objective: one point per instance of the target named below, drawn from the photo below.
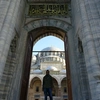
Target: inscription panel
(48, 10)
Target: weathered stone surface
(84, 66)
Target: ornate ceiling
(49, 1)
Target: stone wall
(86, 26)
(11, 20)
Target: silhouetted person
(47, 85)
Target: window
(80, 47)
(37, 89)
(65, 90)
(41, 54)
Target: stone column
(7, 30)
(59, 90)
(88, 14)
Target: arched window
(80, 47)
(65, 90)
(37, 89)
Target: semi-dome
(63, 71)
(52, 68)
(51, 49)
(37, 71)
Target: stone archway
(55, 87)
(61, 24)
(35, 89)
(85, 23)
(38, 29)
(64, 88)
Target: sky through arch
(48, 41)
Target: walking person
(47, 85)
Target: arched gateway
(24, 22)
(38, 29)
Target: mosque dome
(51, 49)
(52, 68)
(37, 71)
(63, 71)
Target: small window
(37, 89)
(65, 90)
(80, 47)
(41, 54)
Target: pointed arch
(62, 24)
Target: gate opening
(33, 37)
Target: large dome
(37, 71)
(52, 68)
(51, 49)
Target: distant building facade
(53, 59)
